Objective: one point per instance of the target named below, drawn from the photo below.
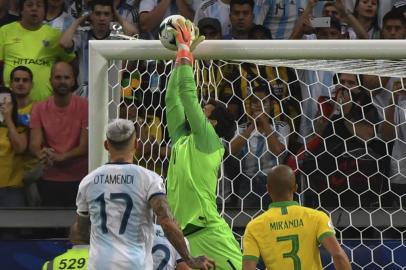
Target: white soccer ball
(167, 37)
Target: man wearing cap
(210, 28)
(59, 138)
(118, 200)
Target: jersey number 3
(294, 238)
(115, 196)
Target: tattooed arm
(172, 231)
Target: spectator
(394, 25)
(241, 18)
(346, 153)
(100, 19)
(210, 28)
(261, 145)
(127, 12)
(78, 7)
(152, 12)
(21, 83)
(330, 10)
(5, 16)
(260, 32)
(316, 83)
(366, 12)
(59, 139)
(394, 128)
(13, 140)
(218, 9)
(304, 29)
(34, 44)
(57, 17)
(278, 16)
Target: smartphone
(320, 22)
(5, 98)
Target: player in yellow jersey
(287, 236)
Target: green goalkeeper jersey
(196, 154)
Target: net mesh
(339, 124)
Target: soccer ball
(166, 36)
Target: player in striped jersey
(278, 15)
(164, 255)
(118, 199)
(287, 236)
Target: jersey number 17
(115, 196)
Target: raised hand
(184, 34)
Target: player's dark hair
(94, 3)
(242, 2)
(14, 114)
(394, 15)
(22, 2)
(21, 68)
(226, 125)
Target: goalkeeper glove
(185, 40)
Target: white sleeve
(155, 186)
(81, 201)
(147, 5)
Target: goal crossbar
(102, 51)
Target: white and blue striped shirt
(279, 16)
(215, 9)
(62, 22)
(116, 197)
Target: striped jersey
(62, 22)
(279, 16)
(116, 197)
(215, 9)
(164, 255)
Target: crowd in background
(343, 134)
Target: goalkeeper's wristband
(184, 54)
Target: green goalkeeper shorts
(219, 244)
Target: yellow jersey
(287, 236)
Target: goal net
(332, 111)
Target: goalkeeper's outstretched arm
(175, 113)
(199, 123)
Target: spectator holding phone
(13, 141)
(102, 14)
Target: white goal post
(103, 51)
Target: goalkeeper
(196, 156)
